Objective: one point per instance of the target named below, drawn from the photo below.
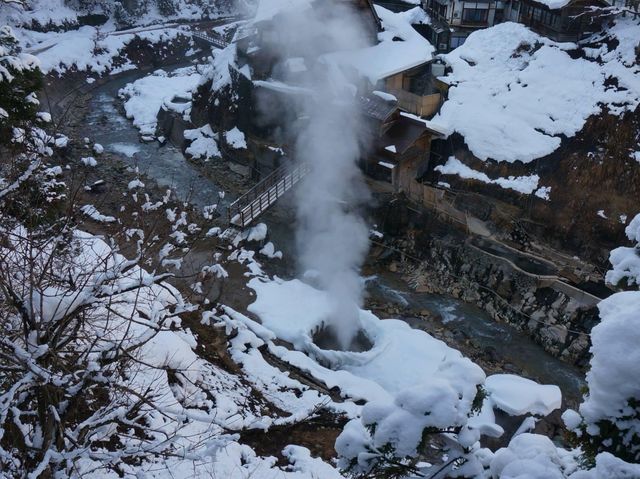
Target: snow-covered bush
(389, 439)
(20, 80)
(626, 260)
(532, 456)
(609, 418)
(76, 319)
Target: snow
(384, 95)
(571, 419)
(608, 467)
(125, 149)
(89, 161)
(269, 250)
(601, 214)
(144, 97)
(554, 4)
(205, 403)
(388, 57)
(93, 213)
(614, 376)
(440, 129)
(543, 192)
(511, 102)
(61, 141)
(391, 148)
(235, 138)
(218, 71)
(625, 261)
(86, 48)
(134, 184)
(292, 310)
(522, 184)
(98, 149)
(203, 143)
(517, 395)
(532, 456)
(257, 232)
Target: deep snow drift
(514, 94)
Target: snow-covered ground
(404, 367)
(66, 45)
(521, 184)
(514, 94)
(87, 48)
(144, 98)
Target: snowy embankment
(514, 94)
(191, 417)
(172, 91)
(99, 50)
(408, 379)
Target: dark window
(457, 41)
(438, 9)
(475, 15)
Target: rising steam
(332, 237)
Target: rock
(393, 267)
(239, 169)
(491, 354)
(556, 333)
(510, 368)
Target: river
(106, 124)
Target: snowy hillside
(514, 95)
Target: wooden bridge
(214, 39)
(244, 210)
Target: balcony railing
(421, 105)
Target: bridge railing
(254, 202)
(212, 38)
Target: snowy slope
(514, 94)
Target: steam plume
(332, 237)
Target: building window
(457, 41)
(438, 9)
(475, 15)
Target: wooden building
(401, 143)
(454, 20)
(561, 21)
(415, 90)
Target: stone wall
(553, 318)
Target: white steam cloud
(332, 237)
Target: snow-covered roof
(389, 57)
(432, 126)
(554, 4)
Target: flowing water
(106, 124)
(512, 345)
